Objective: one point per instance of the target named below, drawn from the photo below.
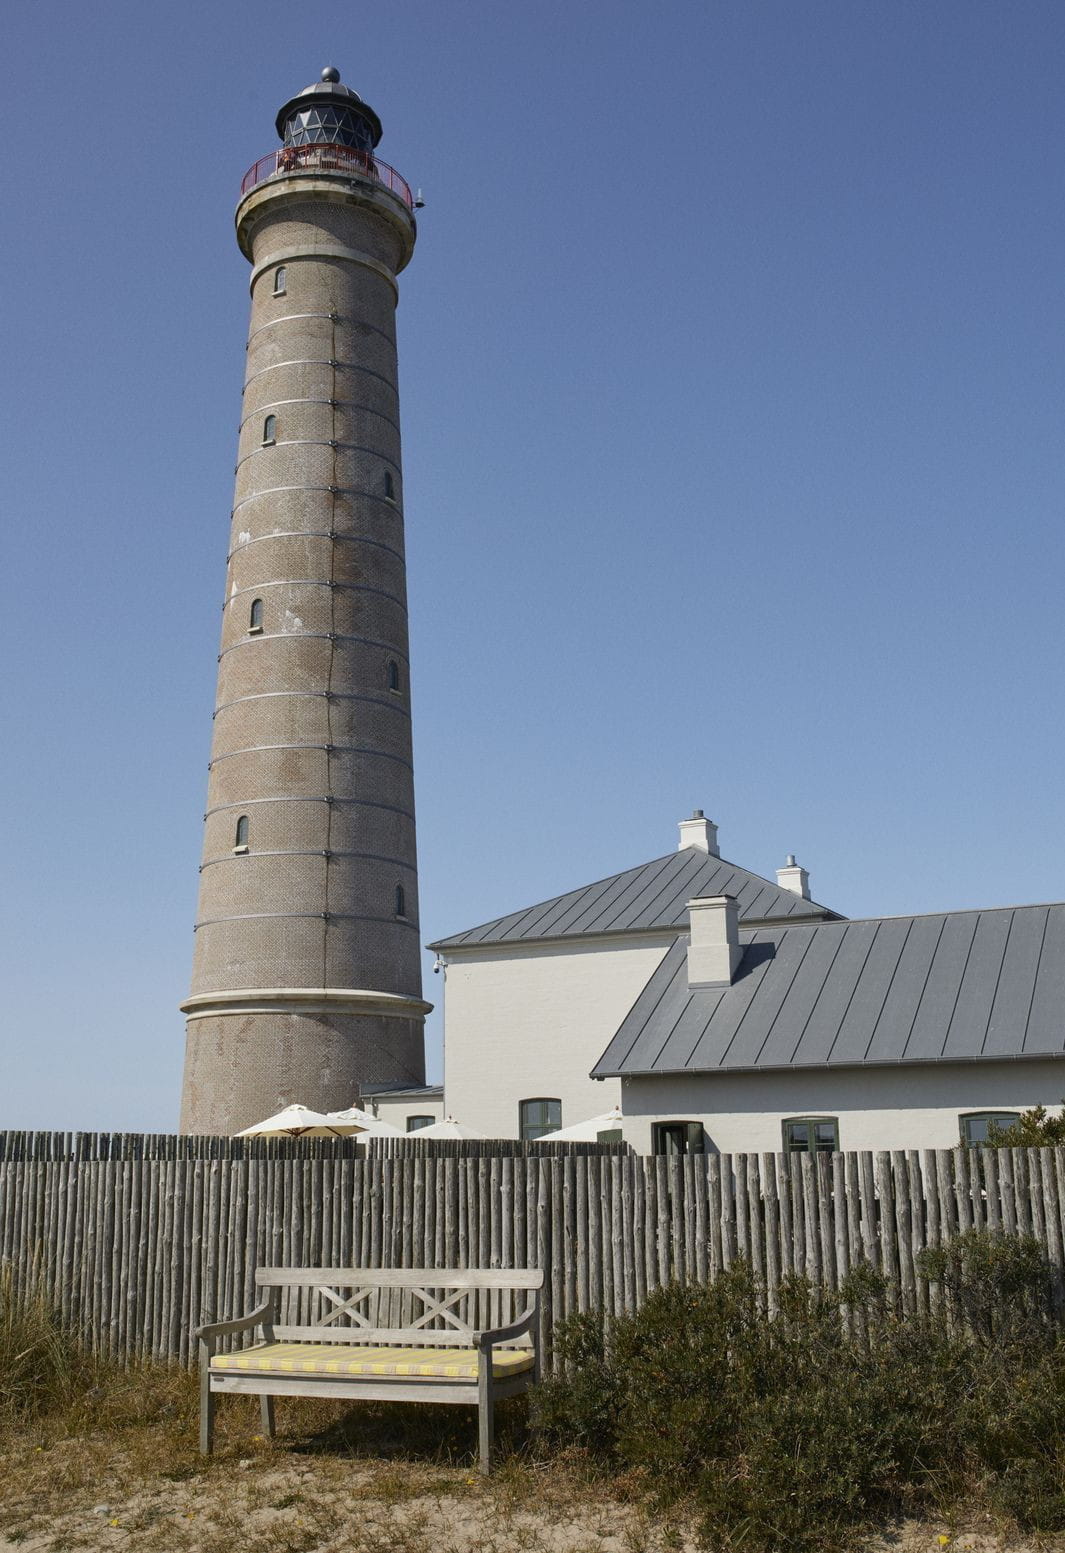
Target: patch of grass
(41, 1365)
(287, 1501)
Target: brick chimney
(792, 877)
(699, 832)
(714, 951)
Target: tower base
(249, 1054)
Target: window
(416, 1123)
(976, 1126)
(678, 1138)
(390, 486)
(535, 1117)
(401, 901)
(269, 430)
(279, 281)
(255, 615)
(393, 674)
(241, 842)
(811, 1135)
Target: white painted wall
(915, 1106)
(524, 1022)
(396, 1111)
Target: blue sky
(732, 388)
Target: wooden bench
(400, 1335)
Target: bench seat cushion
(342, 1359)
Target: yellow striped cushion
(340, 1359)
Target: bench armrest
(207, 1334)
(487, 1339)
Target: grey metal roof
(957, 986)
(652, 895)
(404, 1091)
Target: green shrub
(580, 1409)
(996, 1284)
(1034, 1129)
(790, 1433)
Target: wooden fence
(135, 1245)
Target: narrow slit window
(390, 486)
(400, 901)
(279, 281)
(240, 844)
(270, 429)
(393, 674)
(255, 615)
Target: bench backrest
(409, 1305)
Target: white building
(408, 1109)
(723, 1011)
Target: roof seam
(1035, 979)
(628, 885)
(887, 990)
(961, 983)
(998, 983)
(573, 901)
(691, 867)
(924, 987)
(776, 1016)
(854, 989)
(750, 1004)
(817, 999)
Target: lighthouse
(306, 970)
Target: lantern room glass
(328, 124)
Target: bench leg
(485, 1421)
(266, 1406)
(207, 1403)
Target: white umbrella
(352, 1113)
(585, 1132)
(356, 1120)
(448, 1128)
(299, 1121)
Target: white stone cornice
(304, 1000)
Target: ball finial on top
(330, 73)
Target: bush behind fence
(138, 1242)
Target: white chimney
(699, 832)
(792, 877)
(714, 951)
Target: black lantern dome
(329, 113)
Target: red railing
(327, 159)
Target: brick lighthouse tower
(306, 976)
